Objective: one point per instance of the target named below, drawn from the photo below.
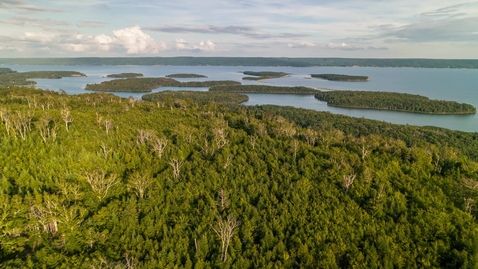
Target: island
(393, 101)
(125, 75)
(263, 75)
(337, 77)
(186, 76)
(148, 84)
(199, 97)
(10, 77)
(263, 89)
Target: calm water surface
(459, 85)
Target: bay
(459, 85)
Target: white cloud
(205, 46)
(135, 41)
(302, 44)
(336, 45)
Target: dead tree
(108, 125)
(105, 150)
(310, 136)
(470, 183)
(223, 201)
(228, 161)
(220, 137)
(159, 144)
(225, 231)
(348, 180)
(139, 183)
(144, 136)
(66, 116)
(252, 139)
(100, 182)
(469, 205)
(176, 164)
(5, 116)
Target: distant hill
(248, 61)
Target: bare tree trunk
(225, 231)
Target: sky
(446, 29)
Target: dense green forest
(263, 89)
(247, 61)
(9, 77)
(125, 75)
(177, 98)
(99, 181)
(148, 84)
(186, 76)
(263, 75)
(337, 77)
(393, 101)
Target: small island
(199, 97)
(336, 77)
(125, 75)
(263, 89)
(148, 84)
(393, 101)
(10, 77)
(263, 75)
(186, 76)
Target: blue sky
(286, 28)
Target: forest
(337, 77)
(263, 89)
(393, 101)
(99, 181)
(248, 61)
(181, 98)
(125, 75)
(186, 76)
(10, 77)
(263, 75)
(148, 84)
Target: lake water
(459, 85)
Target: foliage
(393, 101)
(263, 89)
(125, 75)
(233, 187)
(199, 97)
(12, 78)
(148, 84)
(336, 77)
(186, 76)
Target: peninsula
(393, 101)
(337, 77)
(148, 84)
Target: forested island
(248, 61)
(263, 89)
(337, 77)
(9, 77)
(186, 76)
(177, 98)
(125, 75)
(393, 101)
(263, 75)
(148, 84)
(97, 181)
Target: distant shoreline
(248, 61)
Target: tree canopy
(95, 180)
